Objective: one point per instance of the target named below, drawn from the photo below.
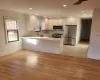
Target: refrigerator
(70, 35)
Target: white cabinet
(46, 23)
(59, 21)
(72, 21)
(33, 23)
(66, 21)
(37, 22)
(52, 22)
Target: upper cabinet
(59, 21)
(38, 23)
(67, 21)
(33, 23)
(46, 21)
(47, 24)
(72, 21)
(53, 22)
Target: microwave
(57, 27)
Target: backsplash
(44, 33)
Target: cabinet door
(46, 24)
(65, 22)
(59, 22)
(50, 25)
(33, 23)
(43, 27)
(52, 22)
(72, 21)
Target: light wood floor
(28, 65)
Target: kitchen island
(43, 44)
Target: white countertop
(43, 38)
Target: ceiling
(51, 8)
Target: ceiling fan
(79, 2)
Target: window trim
(13, 40)
(7, 30)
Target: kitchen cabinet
(59, 21)
(33, 23)
(52, 22)
(38, 22)
(46, 21)
(66, 21)
(70, 21)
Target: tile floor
(80, 50)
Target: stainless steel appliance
(58, 27)
(56, 35)
(57, 31)
(70, 35)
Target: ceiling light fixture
(44, 16)
(37, 14)
(84, 14)
(82, 11)
(64, 5)
(30, 8)
(71, 16)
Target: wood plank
(29, 65)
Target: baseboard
(9, 52)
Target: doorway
(85, 30)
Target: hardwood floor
(28, 65)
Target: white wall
(14, 46)
(78, 30)
(94, 47)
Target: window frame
(8, 30)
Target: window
(11, 29)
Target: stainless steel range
(57, 31)
(56, 35)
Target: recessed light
(44, 16)
(84, 14)
(82, 11)
(64, 5)
(49, 17)
(30, 8)
(37, 14)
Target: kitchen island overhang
(43, 44)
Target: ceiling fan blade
(78, 2)
(85, 0)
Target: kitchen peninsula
(43, 44)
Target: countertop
(43, 38)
